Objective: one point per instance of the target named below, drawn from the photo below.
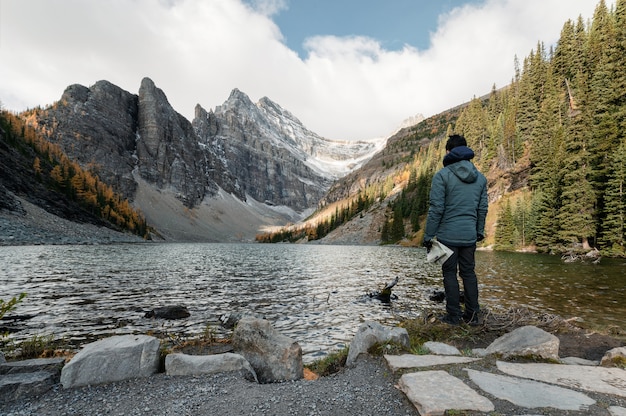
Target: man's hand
(428, 244)
(480, 238)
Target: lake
(316, 294)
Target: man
(456, 216)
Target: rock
(168, 312)
(2, 359)
(529, 393)
(614, 358)
(193, 365)
(439, 348)
(580, 377)
(578, 361)
(434, 392)
(27, 378)
(480, 352)
(273, 356)
(617, 411)
(51, 365)
(400, 362)
(526, 341)
(112, 359)
(230, 320)
(371, 333)
(22, 385)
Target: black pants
(462, 261)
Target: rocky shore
(487, 381)
(32, 225)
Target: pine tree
(504, 238)
(614, 224)
(397, 226)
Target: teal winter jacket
(458, 201)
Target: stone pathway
(532, 386)
(443, 380)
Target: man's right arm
(436, 206)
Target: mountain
(219, 177)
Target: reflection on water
(313, 293)
(544, 283)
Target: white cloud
(197, 51)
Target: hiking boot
(472, 320)
(450, 320)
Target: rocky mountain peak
(167, 147)
(260, 154)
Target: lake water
(316, 294)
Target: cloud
(197, 51)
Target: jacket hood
(457, 154)
(458, 161)
(465, 171)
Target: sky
(347, 69)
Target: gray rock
(439, 348)
(112, 359)
(2, 359)
(480, 352)
(613, 356)
(530, 394)
(273, 356)
(434, 392)
(169, 312)
(51, 365)
(371, 333)
(193, 365)
(617, 411)
(596, 379)
(578, 361)
(22, 385)
(526, 341)
(399, 362)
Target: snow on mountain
(332, 159)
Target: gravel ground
(37, 226)
(367, 389)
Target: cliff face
(96, 127)
(257, 152)
(167, 148)
(265, 165)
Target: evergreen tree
(504, 238)
(614, 224)
(397, 226)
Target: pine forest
(561, 125)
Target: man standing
(456, 216)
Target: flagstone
(530, 393)
(596, 379)
(434, 392)
(397, 362)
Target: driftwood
(385, 295)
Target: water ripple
(317, 295)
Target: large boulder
(112, 359)
(22, 379)
(372, 333)
(274, 356)
(526, 341)
(192, 365)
